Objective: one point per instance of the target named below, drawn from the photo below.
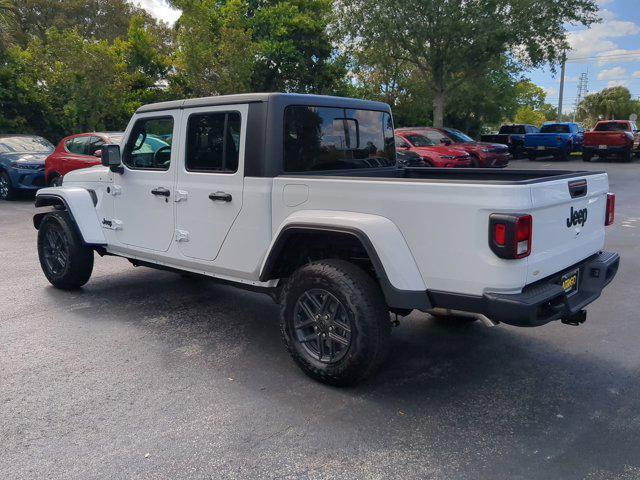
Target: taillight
(510, 235)
(611, 209)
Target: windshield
(419, 140)
(33, 144)
(612, 127)
(458, 136)
(555, 128)
(511, 129)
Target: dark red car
(485, 155)
(76, 151)
(433, 155)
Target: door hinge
(180, 195)
(114, 190)
(182, 236)
(111, 224)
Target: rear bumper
(540, 302)
(611, 149)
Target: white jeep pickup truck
(299, 197)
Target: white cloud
(617, 83)
(597, 38)
(636, 74)
(612, 73)
(551, 91)
(159, 9)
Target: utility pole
(564, 62)
(583, 89)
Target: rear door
(568, 223)
(211, 178)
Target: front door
(144, 192)
(210, 180)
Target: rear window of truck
(612, 127)
(555, 128)
(328, 138)
(511, 130)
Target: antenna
(583, 89)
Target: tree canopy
(609, 104)
(453, 42)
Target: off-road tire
(586, 157)
(627, 156)
(7, 192)
(367, 312)
(76, 270)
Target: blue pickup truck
(554, 139)
(511, 136)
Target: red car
(76, 151)
(612, 138)
(433, 155)
(485, 155)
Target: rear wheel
(586, 157)
(627, 156)
(562, 156)
(64, 259)
(334, 322)
(475, 162)
(7, 191)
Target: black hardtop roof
(280, 98)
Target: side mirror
(110, 156)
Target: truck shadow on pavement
(512, 394)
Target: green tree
(528, 115)
(100, 19)
(453, 41)
(610, 103)
(215, 49)
(7, 25)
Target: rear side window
(327, 138)
(93, 145)
(213, 142)
(149, 144)
(77, 145)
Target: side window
(400, 142)
(328, 138)
(213, 142)
(149, 144)
(94, 144)
(77, 145)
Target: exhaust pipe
(459, 313)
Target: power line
(614, 55)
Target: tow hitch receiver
(576, 319)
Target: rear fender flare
(80, 203)
(396, 269)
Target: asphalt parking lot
(145, 374)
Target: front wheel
(6, 189)
(64, 259)
(334, 322)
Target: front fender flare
(80, 203)
(399, 277)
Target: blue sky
(608, 51)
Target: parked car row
(447, 147)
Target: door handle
(220, 196)
(160, 191)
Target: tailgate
(544, 139)
(611, 139)
(561, 237)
